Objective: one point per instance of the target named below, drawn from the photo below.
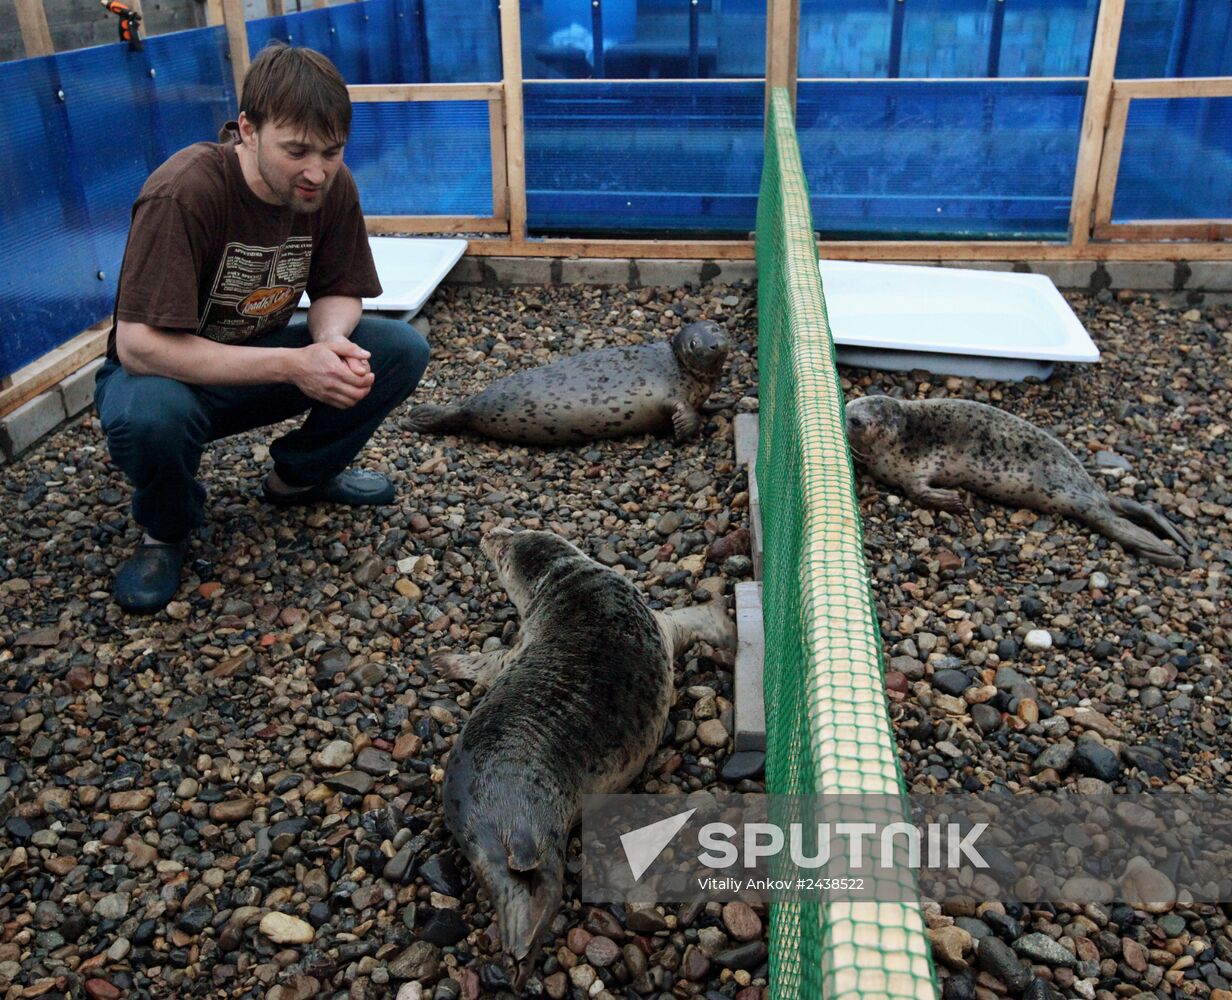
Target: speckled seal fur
(643, 388)
(927, 447)
(575, 708)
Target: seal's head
(873, 422)
(523, 559)
(701, 348)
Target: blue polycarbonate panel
(422, 158)
(1177, 161)
(1175, 38)
(643, 39)
(932, 159)
(81, 132)
(463, 40)
(396, 41)
(643, 157)
(945, 38)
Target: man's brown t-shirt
(205, 255)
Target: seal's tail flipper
(1152, 520)
(1134, 539)
(701, 622)
(431, 417)
(482, 668)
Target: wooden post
(32, 19)
(213, 13)
(515, 149)
(500, 176)
(1095, 118)
(1110, 160)
(782, 47)
(237, 42)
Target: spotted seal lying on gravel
(575, 708)
(925, 447)
(611, 392)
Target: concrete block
(731, 271)
(673, 273)
(598, 271)
(77, 390)
(1074, 274)
(1142, 275)
(31, 421)
(520, 270)
(755, 535)
(467, 271)
(750, 697)
(1210, 276)
(746, 430)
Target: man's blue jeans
(158, 427)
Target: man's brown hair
(297, 86)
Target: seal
(611, 392)
(927, 447)
(575, 707)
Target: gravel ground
(237, 797)
(1026, 652)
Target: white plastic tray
(992, 324)
(409, 269)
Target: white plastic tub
(410, 270)
(987, 324)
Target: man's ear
(248, 131)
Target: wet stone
(375, 762)
(350, 782)
(441, 874)
(1096, 761)
(444, 927)
(747, 956)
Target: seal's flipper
(1152, 520)
(482, 668)
(430, 417)
(928, 496)
(1133, 539)
(700, 622)
(685, 421)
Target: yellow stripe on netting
(828, 731)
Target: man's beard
(286, 193)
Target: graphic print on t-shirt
(255, 288)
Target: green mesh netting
(827, 730)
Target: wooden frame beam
(1123, 92)
(1192, 229)
(394, 224)
(40, 375)
(922, 250)
(515, 146)
(1194, 86)
(782, 47)
(371, 92)
(1110, 160)
(1094, 118)
(35, 33)
(500, 172)
(237, 43)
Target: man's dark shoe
(150, 578)
(354, 487)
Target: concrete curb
(1090, 275)
(32, 421)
